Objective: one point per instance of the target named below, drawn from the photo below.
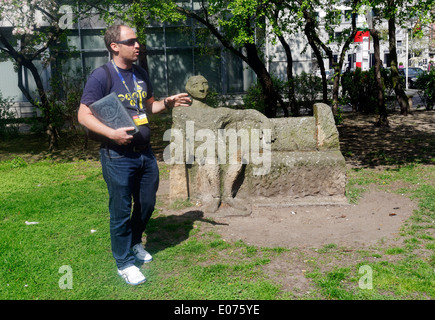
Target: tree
(400, 12)
(236, 24)
(282, 18)
(390, 13)
(311, 30)
(135, 13)
(373, 22)
(29, 36)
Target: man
(128, 163)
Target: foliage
(40, 28)
(63, 99)
(7, 129)
(64, 96)
(239, 26)
(251, 99)
(138, 13)
(37, 25)
(308, 88)
(426, 84)
(359, 87)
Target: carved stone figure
(232, 159)
(209, 174)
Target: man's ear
(114, 48)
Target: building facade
(173, 55)
(359, 55)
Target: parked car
(413, 74)
(329, 74)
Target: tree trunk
(308, 30)
(143, 57)
(291, 86)
(337, 68)
(45, 106)
(395, 76)
(143, 52)
(335, 88)
(270, 95)
(383, 116)
(22, 61)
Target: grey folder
(110, 111)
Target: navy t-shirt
(96, 86)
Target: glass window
(234, 79)
(93, 60)
(180, 68)
(9, 84)
(71, 65)
(157, 72)
(73, 42)
(209, 65)
(92, 41)
(179, 37)
(155, 38)
(30, 83)
(175, 52)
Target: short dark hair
(113, 34)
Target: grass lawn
(55, 244)
(69, 203)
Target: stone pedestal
(299, 157)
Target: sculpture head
(197, 87)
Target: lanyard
(133, 102)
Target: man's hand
(121, 137)
(87, 119)
(178, 100)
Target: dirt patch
(408, 139)
(376, 218)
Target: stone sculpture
(233, 158)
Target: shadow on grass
(167, 231)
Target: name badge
(140, 119)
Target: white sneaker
(141, 254)
(132, 275)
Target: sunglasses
(128, 42)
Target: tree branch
(214, 31)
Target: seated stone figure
(210, 190)
(301, 157)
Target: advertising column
(362, 39)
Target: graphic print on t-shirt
(138, 96)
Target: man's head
(197, 87)
(121, 41)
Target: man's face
(127, 47)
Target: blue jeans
(129, 175)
